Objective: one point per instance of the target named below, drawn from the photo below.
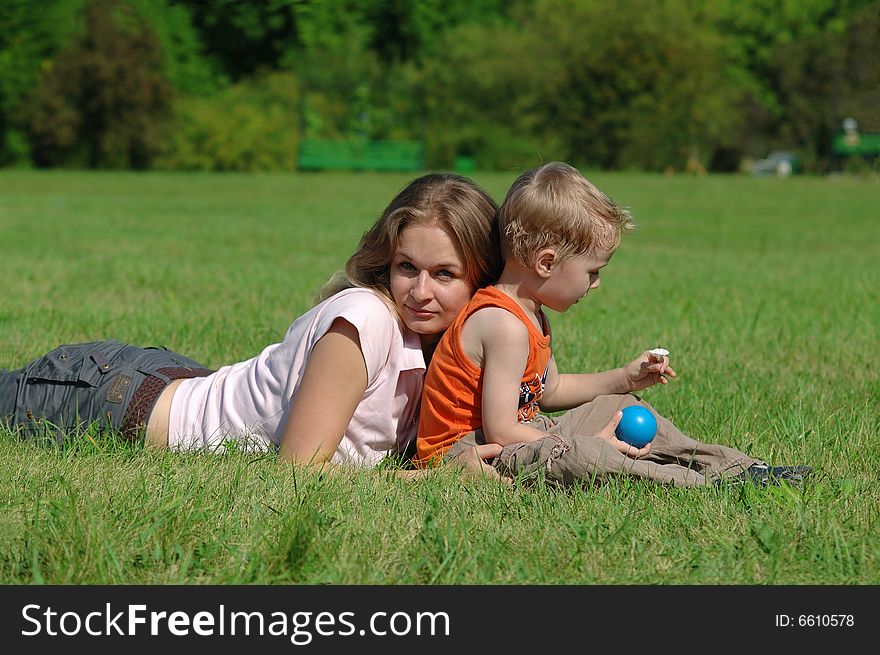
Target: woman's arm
(328, 396)
(331, 389)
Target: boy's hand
(607, 433)
(647, 370)
(472, 462)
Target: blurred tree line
(235, 85)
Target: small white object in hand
(660, 352)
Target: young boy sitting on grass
(493, 371)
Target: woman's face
(428, 281)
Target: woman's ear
(545, 261)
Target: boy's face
(573, 279)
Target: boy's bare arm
(573, 389)
(498, 342)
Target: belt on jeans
(145, 396)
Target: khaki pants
(572, 453)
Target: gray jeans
(571, 452)
(107, 384)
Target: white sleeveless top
(249, 402)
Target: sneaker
(763, 475)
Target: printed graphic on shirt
(530, 394)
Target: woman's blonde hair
(452, 202)
(554, 206)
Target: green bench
(854, 143)
(331, 154)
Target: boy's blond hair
(554, 206)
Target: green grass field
(765, 291)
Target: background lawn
(764, 290)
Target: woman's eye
(406, 266)
(445, 274)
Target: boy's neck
(520, 284)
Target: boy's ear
(545, 261)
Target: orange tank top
(452, 398)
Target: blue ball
(637, 426)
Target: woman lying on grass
(342, 387)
